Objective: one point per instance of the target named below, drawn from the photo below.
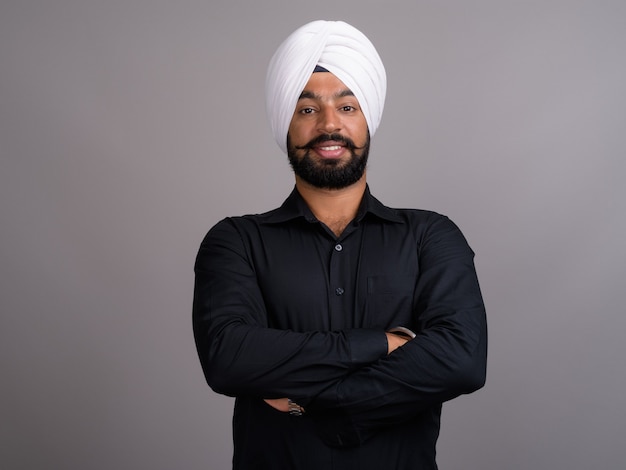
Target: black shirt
(284, 308)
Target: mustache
(320, 139)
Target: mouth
(329, 147)
(329, 150)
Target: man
(340, 325)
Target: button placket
(335, 276)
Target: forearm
(438, 365)
(418, 377)
(242, 359)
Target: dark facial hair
(328, 174)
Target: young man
(340, 325)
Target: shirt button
(338, 247)
(339, 291)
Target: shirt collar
(295, 207)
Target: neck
(336, 208)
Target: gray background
(128, 128)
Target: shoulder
(233, 226)
(431, 229)
(423, 220)
(238, 228)
(412, 219)
(418, 215)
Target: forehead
(325, 84)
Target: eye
(348, 108)
(307, 111)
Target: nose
(329, 121)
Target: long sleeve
(242, 356)
(284, 308)
(446, 359)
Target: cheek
(360, 133)
(357, 126)
(299, 134)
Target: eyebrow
(313, 96)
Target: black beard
(329, 174)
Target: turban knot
(339, 48)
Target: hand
(280, 404)
(395, 341)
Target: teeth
(330, 149)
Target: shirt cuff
(366, 346)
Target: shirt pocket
(390, 300)
(390, 284)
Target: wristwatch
(294, 408)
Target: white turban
(339, 48)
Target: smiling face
(328, 138)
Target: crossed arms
(374, 378)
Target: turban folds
(339, 48)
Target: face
(328, 138)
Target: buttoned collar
(295, 207)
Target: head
(328, 138)
(325, 94)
